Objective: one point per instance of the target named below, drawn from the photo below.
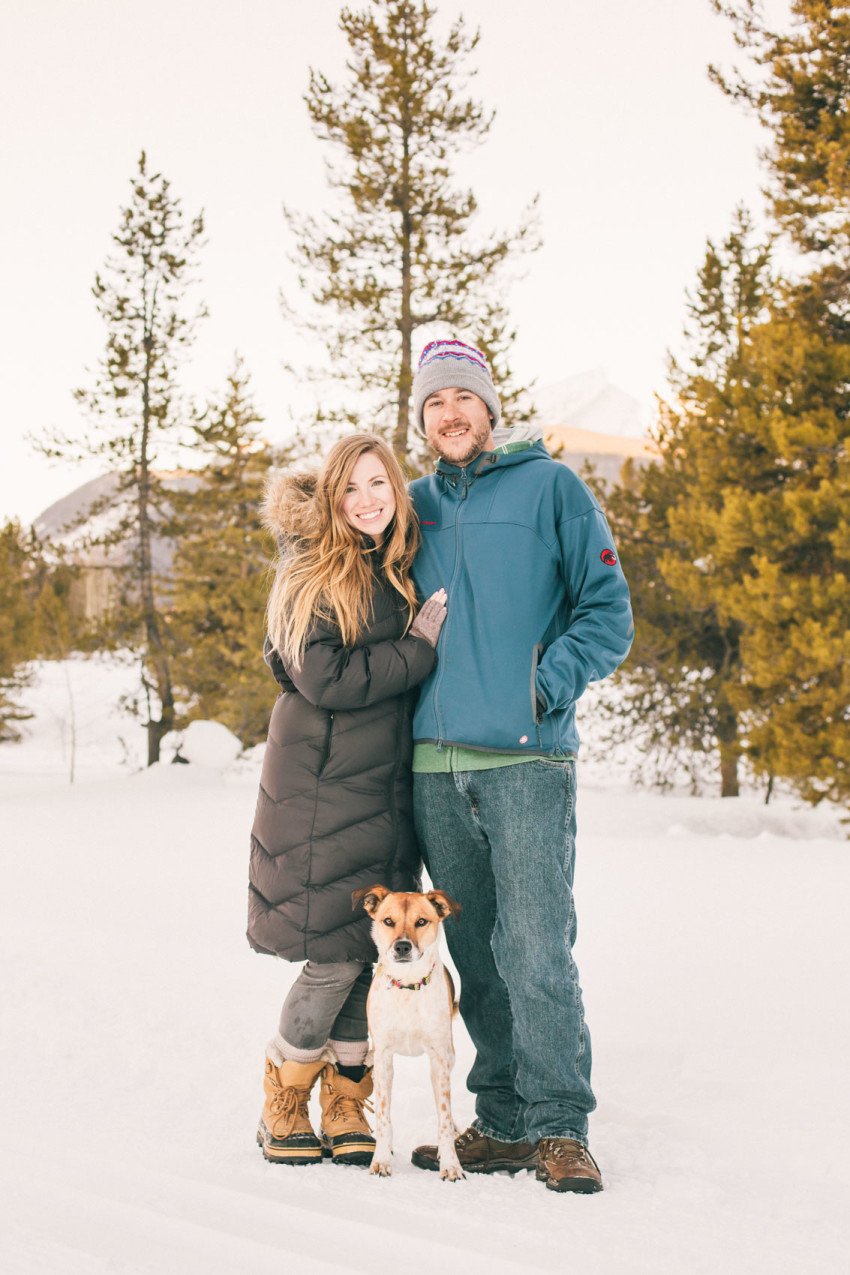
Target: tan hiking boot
(480, 1154)
(345, 1134)
(285, 1133)
(567, 1165)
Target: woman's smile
(369, 501)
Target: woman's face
(369, 501)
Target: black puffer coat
(334, 808)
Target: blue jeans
(502, 843)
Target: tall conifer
(747, 517)
(17, 630)
(786, 544)
(670, 519)
(795, 600)
(398, 255)
(133, 407)
(216, 622)
(799, 90)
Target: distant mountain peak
(588, 401)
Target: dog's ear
(444, 904)
(370, 898)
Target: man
(537, 607)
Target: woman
(334, 810)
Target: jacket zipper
(328, 738)
(440, 672)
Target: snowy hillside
(712, 942)
(588, 401)
(66, 522)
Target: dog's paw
(381, 1168)
(452, 1173)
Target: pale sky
(603, 108)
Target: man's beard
(475, 444)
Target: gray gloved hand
(430, 619)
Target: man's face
(458, 425)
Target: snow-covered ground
(712, 945)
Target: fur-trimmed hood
(288, 509)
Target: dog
(410, 1008)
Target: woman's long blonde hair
(324, 571)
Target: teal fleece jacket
(538, 605)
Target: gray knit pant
(326, 1005)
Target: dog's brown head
(404, 925)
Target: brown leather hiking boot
(345, 1134)
(567, 1165)
(285, 1133)
(480, 1154)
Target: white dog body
(410, 1008)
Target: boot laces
(286, 1106)
(468, 1136)
(347, 1105)
(566, 1149)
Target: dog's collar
(412, 987)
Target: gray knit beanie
(452, 364)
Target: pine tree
(399, 256)
(61, 630)
(795, 600)
(60, 625)
(800, 94)
(134, 407)
(17, 631)
(742, 531)
(673, 523)
(216, 622)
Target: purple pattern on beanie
(452, 350)
(446, 363)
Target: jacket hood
(288, 509)
(525, 432)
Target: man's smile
(457, 424)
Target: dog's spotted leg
(441, 1083)
(382, 1078)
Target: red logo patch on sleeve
(609, 557)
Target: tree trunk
(155, 654)
(157, 730)
(728, 773)
(730, 750)
(405, 382)
(405, 376)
